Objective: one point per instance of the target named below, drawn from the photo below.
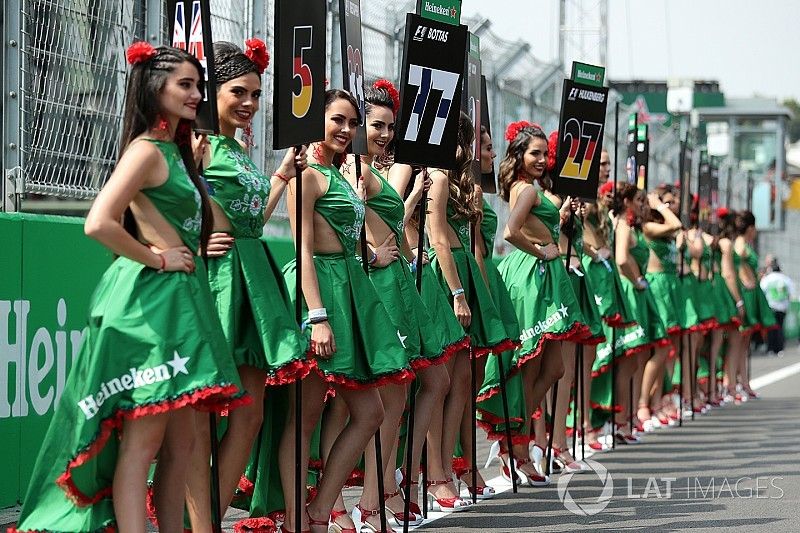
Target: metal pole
(299, 482)
(216, 512)
(473, 369)
(613, 258)
(504, 395)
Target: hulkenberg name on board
(576, 93)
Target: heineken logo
(542, 326)
(135, 378)
(438, 9)
(585, 75)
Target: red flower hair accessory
(552, 149)
(393, 93)
(139, 52)
(513, 129)
(722, 212)
(606, 188)
(256, 51)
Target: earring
(318, 155)
(161, 124)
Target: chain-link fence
(65, 76)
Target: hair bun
(139, 52)
(392, 90)
(256, 51)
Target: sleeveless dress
(370, 350)
(248, 287)
(650, 331)
(703, 297)
(724, 304)
(428, 343)
(664, 284)
(486, 331)
(584, 289)
(758, 315)
(608, 294)
(693, 317)
(151, 347)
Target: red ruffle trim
(245, 486)
(460, 466)
(616, 321)
(593, 341)
(449, 351)
(292, 371)
(674, 330)
(108, 425)
(704, 326)
(575, 332)
(224, 408)
(12, 529)
(400, 377)
(488, 422)
(503, 346)
(255, 525)
(607, 408)
(650, 345)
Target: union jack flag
(179, 33)
(196, 36)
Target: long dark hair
(744, 219)
(331, 95)
(512, 162)
(727, 225)
(142, 110)
(380, 97)
(627, 191)
(460, 180)
(230, 63)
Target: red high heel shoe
(336, 528)
(446, 505)
(481, 492)
(414, 518)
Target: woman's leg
(454, 411)
(717, 338)
(465, 432)
(234, 451)
(141, 439)
(563, 397)
(436, 469)
(314, 389)
(334, 419)
(744, 370)
(625, 371)
(653, 369)
(366, 416)
(731, 364)
(174, 457)
(589, 355)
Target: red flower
(552, 150)
(256, 51)
(140, 52)
(513, 129)
(722, 212)
(605, 189)
(392, 90)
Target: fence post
(154, 28)
(12, 182)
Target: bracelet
(662, 207)
(281, 177)
(317, 315)
(163, 264)
(458, 292)
(546, 256)
(373, 259)
(739, 304)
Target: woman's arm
(671, 224)
(625, 262)
(281, 177)
(437, 219)
(479, 250)
(141, 166)
(526, 200)
(729, 272)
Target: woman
(660, 230)
(758, 315)
(453, 209)
(357, 346)
(426, 342)
(151, 350)
(248, 287)
(540, 289)
(632, 256)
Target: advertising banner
(642, 156)
(447, 11)
(630, 160)
(353, 64)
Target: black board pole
(299, 483)
(613, 258)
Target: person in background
(779, 289)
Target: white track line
(777, 375)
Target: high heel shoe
(336, 528)
(414, 516)
(535, 479)
(481, 492)
(505, 471)
(360, 515)
(538, 457)
(446, 505)
(568, 463)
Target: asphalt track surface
(737, 468)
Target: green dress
(664, 284)
(608, 295)
(428, 342)
(486, 331)
(692, 315)
(151, 346)
(724, 304)
(584, 289)
(758, 315)
(650, 331)
(248, 287)
(370, 350)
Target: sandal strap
(337, 513)
(390, 495)
(368, 512)
(436, 482)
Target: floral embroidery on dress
(192, 223)
(353, 231)
(256, 185)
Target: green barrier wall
(48, 271)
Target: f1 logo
(419, 34)
(573, 93)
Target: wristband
(739, 304)
(662, 207)
(281, 177)
(319, 315)
(413, 266)
(458, 292)
(163, 263)
(373, 259)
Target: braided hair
(230, 62)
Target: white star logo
(402, 338)
(598, 300)
(178, 364)
(563, 310)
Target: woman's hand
(178, 259)
(603, 254)
(461, 309)
(574, 263)
(387, 253)
(550, 251)
(422, 182)
(567, 207)
(322, 341)
(291, 162)
(219, 244)
(199, 147)
(654, 201)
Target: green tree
(794, 124)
